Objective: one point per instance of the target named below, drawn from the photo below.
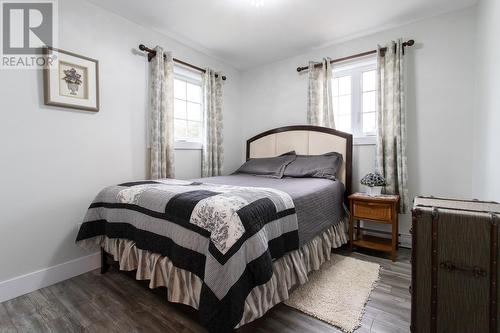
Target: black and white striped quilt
(227, 235)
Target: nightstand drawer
(372, 211)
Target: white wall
(487, 113)
(440, 85)
(53, 161)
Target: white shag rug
(338, 292)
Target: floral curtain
(213, 150)
(320, 99)
(391, 136)
(161, 124)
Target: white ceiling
(246, 36)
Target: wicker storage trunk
(455, 266)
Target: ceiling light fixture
(257, 3)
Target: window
(342, 102)
(355, 99)
(188, 111)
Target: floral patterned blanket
(226, 235)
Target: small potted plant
(373, 183)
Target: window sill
(188, 145)
(364, 141)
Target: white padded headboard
(305, 140)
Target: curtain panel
(161, 124)
(391, 129)
(213, 150)
(320, 95)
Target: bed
(232, 246)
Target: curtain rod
(152, 54)
(410, 42)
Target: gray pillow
(270, 166)
(315, 166)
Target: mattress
(318, 202)
(226, 232)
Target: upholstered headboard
(305, 140)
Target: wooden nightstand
(379, 209)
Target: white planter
(373, 191)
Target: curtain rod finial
(142, 47)
(411, 42)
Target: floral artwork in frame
(71, 80)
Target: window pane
(369, 121)
(193, 111)
(345, 85)
(343, 123)
(179, 109)
(180, 128)
(194, 130)
(193, 93)
(369, 101)
(345, 105)
(179, 89)
(335, 87)
(369, 81)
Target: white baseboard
(405, 240)
(27, 283)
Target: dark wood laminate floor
(115, 302)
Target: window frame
(355, 69)
(189, 76)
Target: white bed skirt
(184, 287)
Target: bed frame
(305, 140)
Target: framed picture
(71, 80)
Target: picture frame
(71, 80)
